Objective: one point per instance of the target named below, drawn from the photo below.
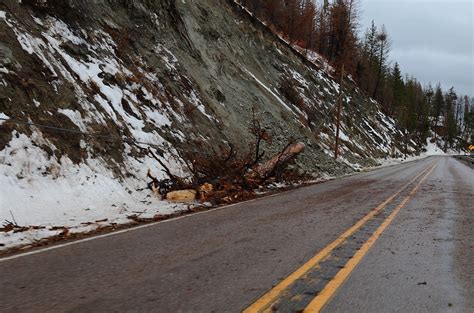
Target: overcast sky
(431, 39)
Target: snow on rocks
(431, 149)
(42, 192)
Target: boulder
(6, 55)
(206, 188)
(204, 191)
(186, 195)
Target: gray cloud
(432, 40)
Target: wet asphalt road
(226, 259)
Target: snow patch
(40, 190)
(75, 117)
(3, 116)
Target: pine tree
(398, 89)
(450, 125)
(438, 107)
(371, 42)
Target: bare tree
(383, 50)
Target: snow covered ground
(431, 150)
(82, 200)
(47, 195)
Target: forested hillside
(331, 29)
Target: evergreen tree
(398, 89)
(450, 125)
(438, 107)
(371, 42)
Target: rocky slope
(172, 75)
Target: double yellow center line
(264, 304)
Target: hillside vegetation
(330, 29)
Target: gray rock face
(6, 55)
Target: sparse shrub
(132, 79)
(120, 79)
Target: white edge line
(133, 228)
(118, 232)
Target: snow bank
(42, 191)
(432, 149)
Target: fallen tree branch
(265, 170)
